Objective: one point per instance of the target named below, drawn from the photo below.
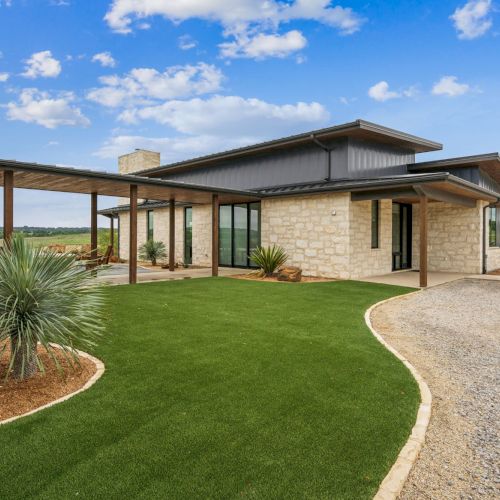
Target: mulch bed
(305, 279)
(19, 397)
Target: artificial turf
(221, 388)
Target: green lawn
(220, 388)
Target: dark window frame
(186, 256)
(493, 227)
(375, 224)
(150, 225)
(248, 227)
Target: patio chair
(101, 260)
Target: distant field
(60, 239)
(71, 239)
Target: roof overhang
(443, 187)
(489, 163)
(73, 180)
(359, 129)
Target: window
(375, 223)
(239, 233)
(494, 227)
(188, 235)
(150, 224)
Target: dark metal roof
(350, 185)
(145, 205)
(489, 162)
(358, 128)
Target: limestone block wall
(202, 235)
(161, 230)
(364, 260)
(492, 258)
(454, 238)
(314, 238)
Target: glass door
(240, 235)
(401, 236)
(225, 235)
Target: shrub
(153, 251)
(45, 298)
(269, 259)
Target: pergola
(14, 174)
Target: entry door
(188, 235)
(401, 236)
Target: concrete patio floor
(117, 274)
(411, 278)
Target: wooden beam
(171, 235)
(8, 205)
(132, 258)
(445, 196)
(215, 235)
(93, 226)
(112, 233)
(423, 241)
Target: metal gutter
(465, 161)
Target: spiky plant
(269, 259)
(152, 251)
(46, 299)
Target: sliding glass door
(239, 233)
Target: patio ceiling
(72, 180)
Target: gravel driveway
(451, 334)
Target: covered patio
(439, 188)
(24, 175)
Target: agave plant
(45, 299)
(152, 251)
(269, 259)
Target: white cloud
(42, 64)
(216, 124)
(263, 45)
(142, 85)
(35, 106)
(380, 92)
(105, 59)
(230, 116)
(240, 18)
(4, 77)
(449, 86)
(187, 42)
(473, 19)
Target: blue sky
(82, 82)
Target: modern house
(348, 201)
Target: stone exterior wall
(492, 253)
(364, 260)
(454, 238)
(202, 235)
(315, 240)
(160, 231)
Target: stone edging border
(393, 483)
(90, 382)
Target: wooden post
(132, 258)
(93, 226)
(423, 241)
(112, 234)
(8, 206)
(215, 235)
(171, 235)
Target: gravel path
(451, 334)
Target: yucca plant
(269, 259)
(46, 299)
(152, 251)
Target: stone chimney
(140, 159)
(130, 163)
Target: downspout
(328, 151)
(485, 235)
